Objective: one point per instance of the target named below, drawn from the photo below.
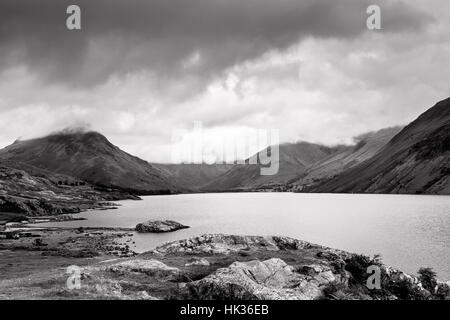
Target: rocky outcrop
(272, 279)
(159, 226)
(227, 244)
(254, 267)
(35, 206)
(232, 267)
(36, 192)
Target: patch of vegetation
(355, 288)
(428, 278)
(357, 265)
(442, 292)
(392, 286)
(405, 290)
(342, 291)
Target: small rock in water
(158, 226)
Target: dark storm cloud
(121, 36)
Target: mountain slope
(193, 176)
(294, 159)
(91, 157)
(27, 190)
(367, 145)
(417, 160)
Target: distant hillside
(294, 159)
(417, 160)
(367, 145)
(193, 176)
(90, 157)
(29, 191)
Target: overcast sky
(140, 70)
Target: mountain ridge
(413, 159)
(193, 176)
(294, 158)
(365, 147)
(416, 160)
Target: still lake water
(409, 231)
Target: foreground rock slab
(272, 279)
(159, 226)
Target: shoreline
(181, 269)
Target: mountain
(415, 161)
(294, 159)
(366, 146)
(193, 176)
(89, 156)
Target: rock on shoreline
(159, 226)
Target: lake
(409, 231)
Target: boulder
(272, 279)
(159, 226)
